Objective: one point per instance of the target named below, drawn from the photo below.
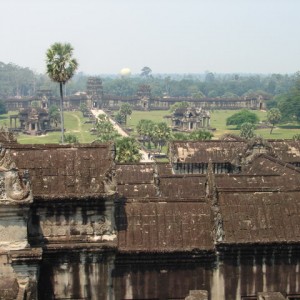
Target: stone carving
(6, 162)
(16, 188)
(256, 146)
(110, 182)
(12, 185)
(7, 136)
(102, 227)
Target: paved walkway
(120, 130)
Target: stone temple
(220, 220)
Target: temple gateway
(220, 220)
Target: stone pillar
(18, 261)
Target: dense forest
(19, 81)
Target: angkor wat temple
(94, 97)
(220, 220)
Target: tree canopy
(146, 71)
(61, 67)
(105, 130)
(54, 114)
(243, 116)
(274, 117)
(289, 106)
(20, 81)
(200, 135)
(127, 150)
(125, 110)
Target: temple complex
(94, 97)
(95, 91)
(220, 220)
(32, 121)
(190, 118)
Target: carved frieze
(6, 162)
(14, 187)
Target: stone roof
(182, 187)
(158, 213)
(286, 150)
(260, 208)
(162, 226)
(135, 180)
(230, 150)
(203, 151)
(66, 171)
(159, 210)
(260, 217)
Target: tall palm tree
(125, 110)
(61, 67)
(127, 150)
(161, 134)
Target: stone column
(18, 262)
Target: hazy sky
(169, 36)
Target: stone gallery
(94, 97)
(220, 220)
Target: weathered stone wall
(101, 275)
(77, 275)
(68, 222)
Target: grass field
(74, 123)
(218, 121)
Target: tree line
(20, 81)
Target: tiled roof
(182, 187)
(159, 210)
(159, 214)
(286, 150)
(165, 227)
(229, 150)
(260, 208)
(135, 173)
(200, 151)
(64, 171)
(260, 217)
(135, 180)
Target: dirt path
(96, 112)
(79, 127)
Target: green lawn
(74, 123)
(218, 121)
(154, 115)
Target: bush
(296, 137)
(244, 116)
(70, 138)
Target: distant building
(94, 97)
(95, 91)
(190, 118)
(33, 121)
